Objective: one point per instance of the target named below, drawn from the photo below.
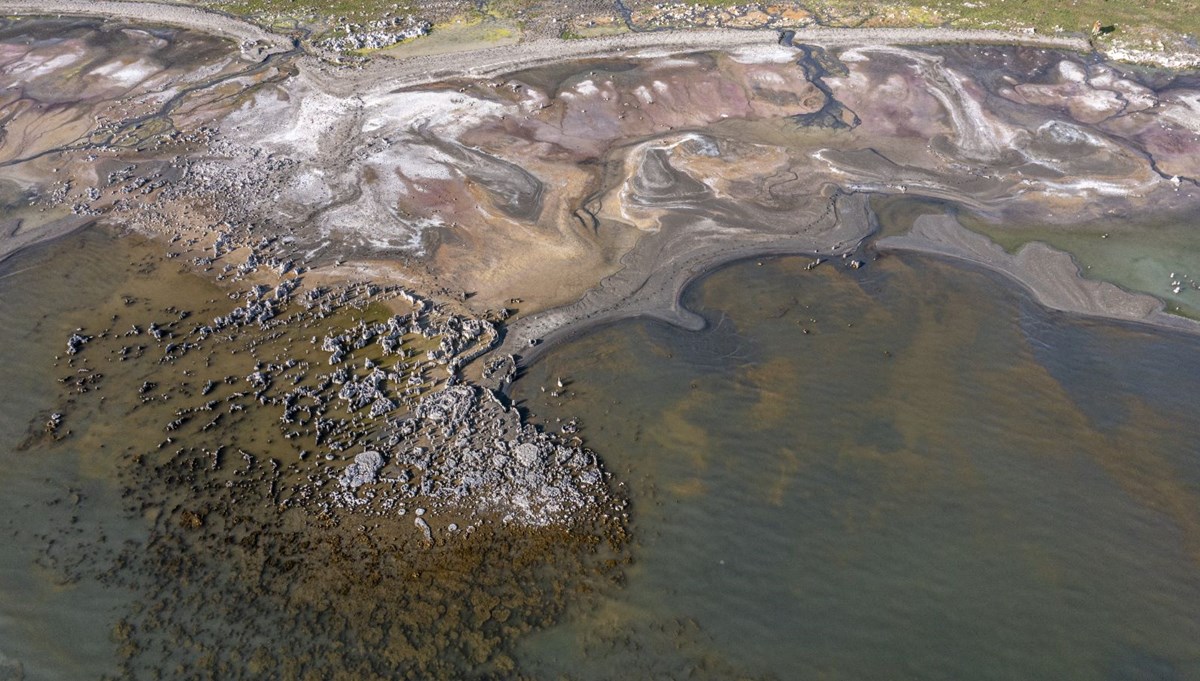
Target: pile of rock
(465, 452)
(375, 34)
(424, 439)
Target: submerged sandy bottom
(908, 471)
(170, 547)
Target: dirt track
(385, 73)
(491, 61)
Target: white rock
(365, 469)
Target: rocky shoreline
(313, 453)
(376, 416)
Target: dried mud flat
(386, 246)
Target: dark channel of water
(907, 472)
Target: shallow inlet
(1161, 258)
(908, 471)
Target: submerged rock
(76, 342)
(10, 669)
(450, 499)
(424, 527)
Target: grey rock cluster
(464, 449)
(75, 342)
(424, 438)
(376, 34)
(364, 470)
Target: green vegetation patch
(462, 34)
(1147, 22)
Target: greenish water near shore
(1161, 259)
(939, 480)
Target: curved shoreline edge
(653, 278)
(1050, 275)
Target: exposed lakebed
(909, 469)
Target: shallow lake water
(56, 627)
(142, 543)
(908, 471)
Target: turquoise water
(940, 480)
(1154, 258)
